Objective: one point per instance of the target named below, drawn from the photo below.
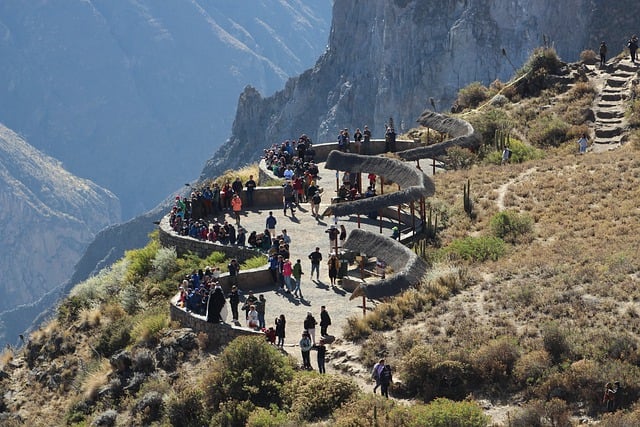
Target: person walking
(375, 373)
(297, 275)
(603, 54)
(386, 379)
(333, 238)
(233, 268)
(305, 349)
(287, 271)
(281, 324)
(316, 199)
(315, 258)
(310, 326)
(271, 222)
(325, 321)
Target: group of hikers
(632, 45)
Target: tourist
(281, 324)
(315, 258)
(305, 348)
(310, 326)
(325, 321)
(297, 275)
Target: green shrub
(520, 152)
(540, 65)
(232, 413)
(185, 408)
(487, 121)
(115, 336)
(356, 329)
(370, 409)
(460, 158)
(147, 328)
(555, 341)
(248, 369)
(548, 131)
(472, 95)
(476, 249)
(261, 417)
(494, 361)
(374, 349)
(531, 367)
(258, 261)
(164, 264)
(140, 261)
(445, 413)
(416, 370)
(311, 396)
(70, 307)
(511, 226)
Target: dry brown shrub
(531, 367)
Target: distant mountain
(136, 94)
(397, 58)
(47, 218)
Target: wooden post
(358, 219)
(413, 218)
(364, 305)
(380, 220)
(381, 185)
(337, 182)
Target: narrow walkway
(613, 84)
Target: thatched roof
(462, 133)
(408, 268)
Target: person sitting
(343, 193)
(270, 335)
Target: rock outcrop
(396, 58)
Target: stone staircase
(613, 84)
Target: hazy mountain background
(136, 94)
(133, 95)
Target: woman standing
(281, 323)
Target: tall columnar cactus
(501, 138)
(468, 204)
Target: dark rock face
(135, 95)
(390, 58)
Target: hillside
(530, 324)
(49, 218)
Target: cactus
(468, 204)
(501, 138)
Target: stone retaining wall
(219, 334)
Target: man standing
(367, 139)
(305, 349)
(333, 238)
(237, 187)
(234, 301)
(236, 206)
(297, 275)
(215, 304)
(603, 54)
(632, 44)
(375, 373)
(325, 321)
(385, 380)
(234, 268)
(315, 258)
(251, 185)
(261, 309)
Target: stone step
(609, 114)
(608, 132)
(611, 97)
(613, 82)
(627, 66)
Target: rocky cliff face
(390, 58)
(48, 217)
(136, 94)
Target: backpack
(385, 375)
(508, 153)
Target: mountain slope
(48, 218)
(123, 91)
(394, 59)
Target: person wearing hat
(310, 326)
(305, 349)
